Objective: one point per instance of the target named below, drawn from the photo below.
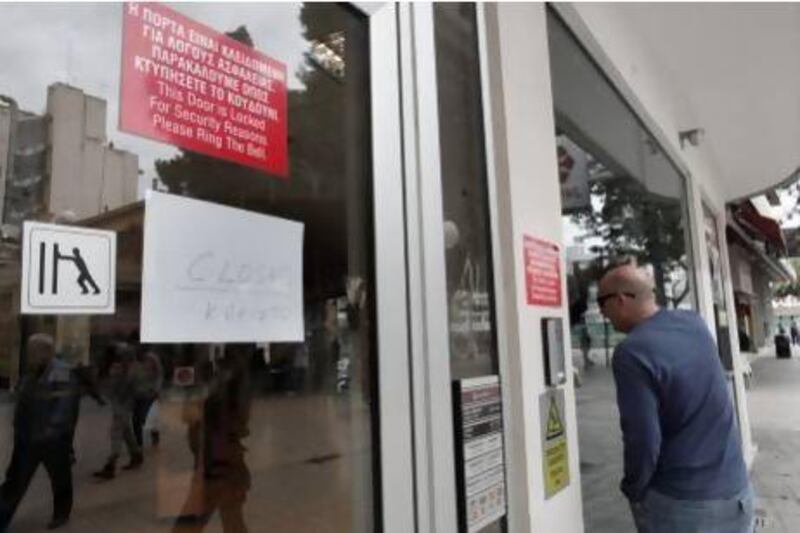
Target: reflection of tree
(791, 288)
(635, 222)
(315, 190)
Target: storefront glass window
(621, 197)
(717, 277)
(261, 434)
(621, 194)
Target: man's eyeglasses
(601, 300)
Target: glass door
(459, 448)
(213, 140)
(717, 277)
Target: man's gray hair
(44, 340)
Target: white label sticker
(67, 270)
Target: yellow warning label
(556, 467)
(555, 427)
(555, 448)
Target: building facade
(758, 256)
(459, 174)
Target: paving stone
(773, 402)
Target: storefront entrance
(275, 116)
(622, 198)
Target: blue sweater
(677, 417)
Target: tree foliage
(789, 289)
(635, 222)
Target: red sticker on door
(542, 272)
(186, 84)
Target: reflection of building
(59, 155)
(48, 163)
(81, 158)
(756, 248)
(22, 179)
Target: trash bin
(783, 349)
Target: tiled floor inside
(308, 470)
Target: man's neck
(647, 313)
(650, 311)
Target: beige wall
(527, 201)
(81, 161)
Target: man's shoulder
(644, 342)
(632, 350)
(60, 372)
(672, 321)
(682, 314)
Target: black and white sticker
(67, 269)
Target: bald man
(684, 471)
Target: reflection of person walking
(43, 423)
(123, 377)
(224, 479)
(84, 276)
(684, 469)
(147, 391)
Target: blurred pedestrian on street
(123, 380)
(87, 385)
(147, 391)
(44, 421)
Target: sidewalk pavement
(605, 510)
(773, 402)
(774, 407)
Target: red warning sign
(185, 84)
(542, 272)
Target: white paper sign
(67, 270)
(218, 274)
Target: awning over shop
(768, 228)
(762, 237)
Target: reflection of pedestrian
(124, 376)
(43, 424)
(149, 387)
(684, 469)
(87, 384)
(586, 346)
(221, 473)
(795, 333)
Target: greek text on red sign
(188, 85)
(542, 272)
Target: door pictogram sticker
(67, 269)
